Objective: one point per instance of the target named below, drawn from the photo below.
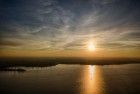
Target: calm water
(73, 79)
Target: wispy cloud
(63, 25)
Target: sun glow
(91, 46)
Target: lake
(73, 79)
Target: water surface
(73, 79)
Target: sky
(65, 27)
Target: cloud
(120, 45)
(62, 24)
(9, 43)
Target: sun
(91, 46)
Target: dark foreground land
(46, 62)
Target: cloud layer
(69, 24)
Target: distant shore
(46, 62)
(11, 69)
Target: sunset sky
(67, 27)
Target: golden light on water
(91, 71)
(92, 81)
(91, 46)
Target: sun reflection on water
(91, 71)
(92, 81)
